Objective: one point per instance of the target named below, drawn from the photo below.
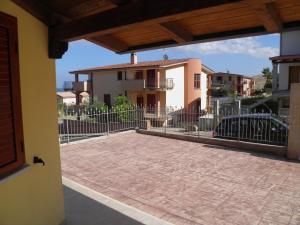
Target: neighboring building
(69, 98)
(286, 68)
(174, 83)
(224, 83)
(259, 82)
(66, 97)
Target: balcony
(82, 86)
(139, 85)
(133, 85)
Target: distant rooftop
(232, 74)
(141, 65)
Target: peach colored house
(242, 85)
(162, 83)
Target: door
(151, 102)
(140, 101)
(151, 78)
(107, 100)
(294, 75)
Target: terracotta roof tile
(157, 63)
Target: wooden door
(140, 101)
(294, 75)
(151, 100)
(151, 78)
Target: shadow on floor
(81, 210)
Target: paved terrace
(187, 183)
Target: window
(229, 78)
(139, 75)
(12, 154)
(197, 80)
(219, 78)
(169, 83)
(119, 75)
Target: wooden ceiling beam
(176, 32)
(110, 42)
(42, 12)
(268, 15)
(130, 14)
(200, 39)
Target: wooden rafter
(132, 13)
(110, 42)
(268, 15)
(177, 32)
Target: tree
(268, 75)
(124, 108)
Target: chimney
(133, 58)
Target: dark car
(262, 128)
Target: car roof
(256, 115)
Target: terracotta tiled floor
(187, 183)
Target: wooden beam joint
(56, 49)
(177, 32)
(267, 14)
(110, 42)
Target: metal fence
(225, 121)
(84, 122)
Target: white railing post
(239, 114)
(107, 120)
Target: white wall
(69, 101)
(203, 90)
(106, 82)
(290, 43)
(175, 97)
(283, 77)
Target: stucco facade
(228, 82)
(286, 68)
(34, 196)
(172, 85)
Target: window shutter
(11, 136)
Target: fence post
(239, 114)
(68, 133)
(107, 120)
(216, 113)
(198, 119)
(166, 120)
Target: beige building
(286, 69)
(69, 98)
(162, 83)
(228, 82)
(259, 82)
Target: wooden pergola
(134, 25)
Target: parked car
(262, 128)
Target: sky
(246, 56)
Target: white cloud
(248, 46)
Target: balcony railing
(82, 86)
(139, 85)
(133, 85)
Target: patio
(185, 182)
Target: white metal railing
(227, 121)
